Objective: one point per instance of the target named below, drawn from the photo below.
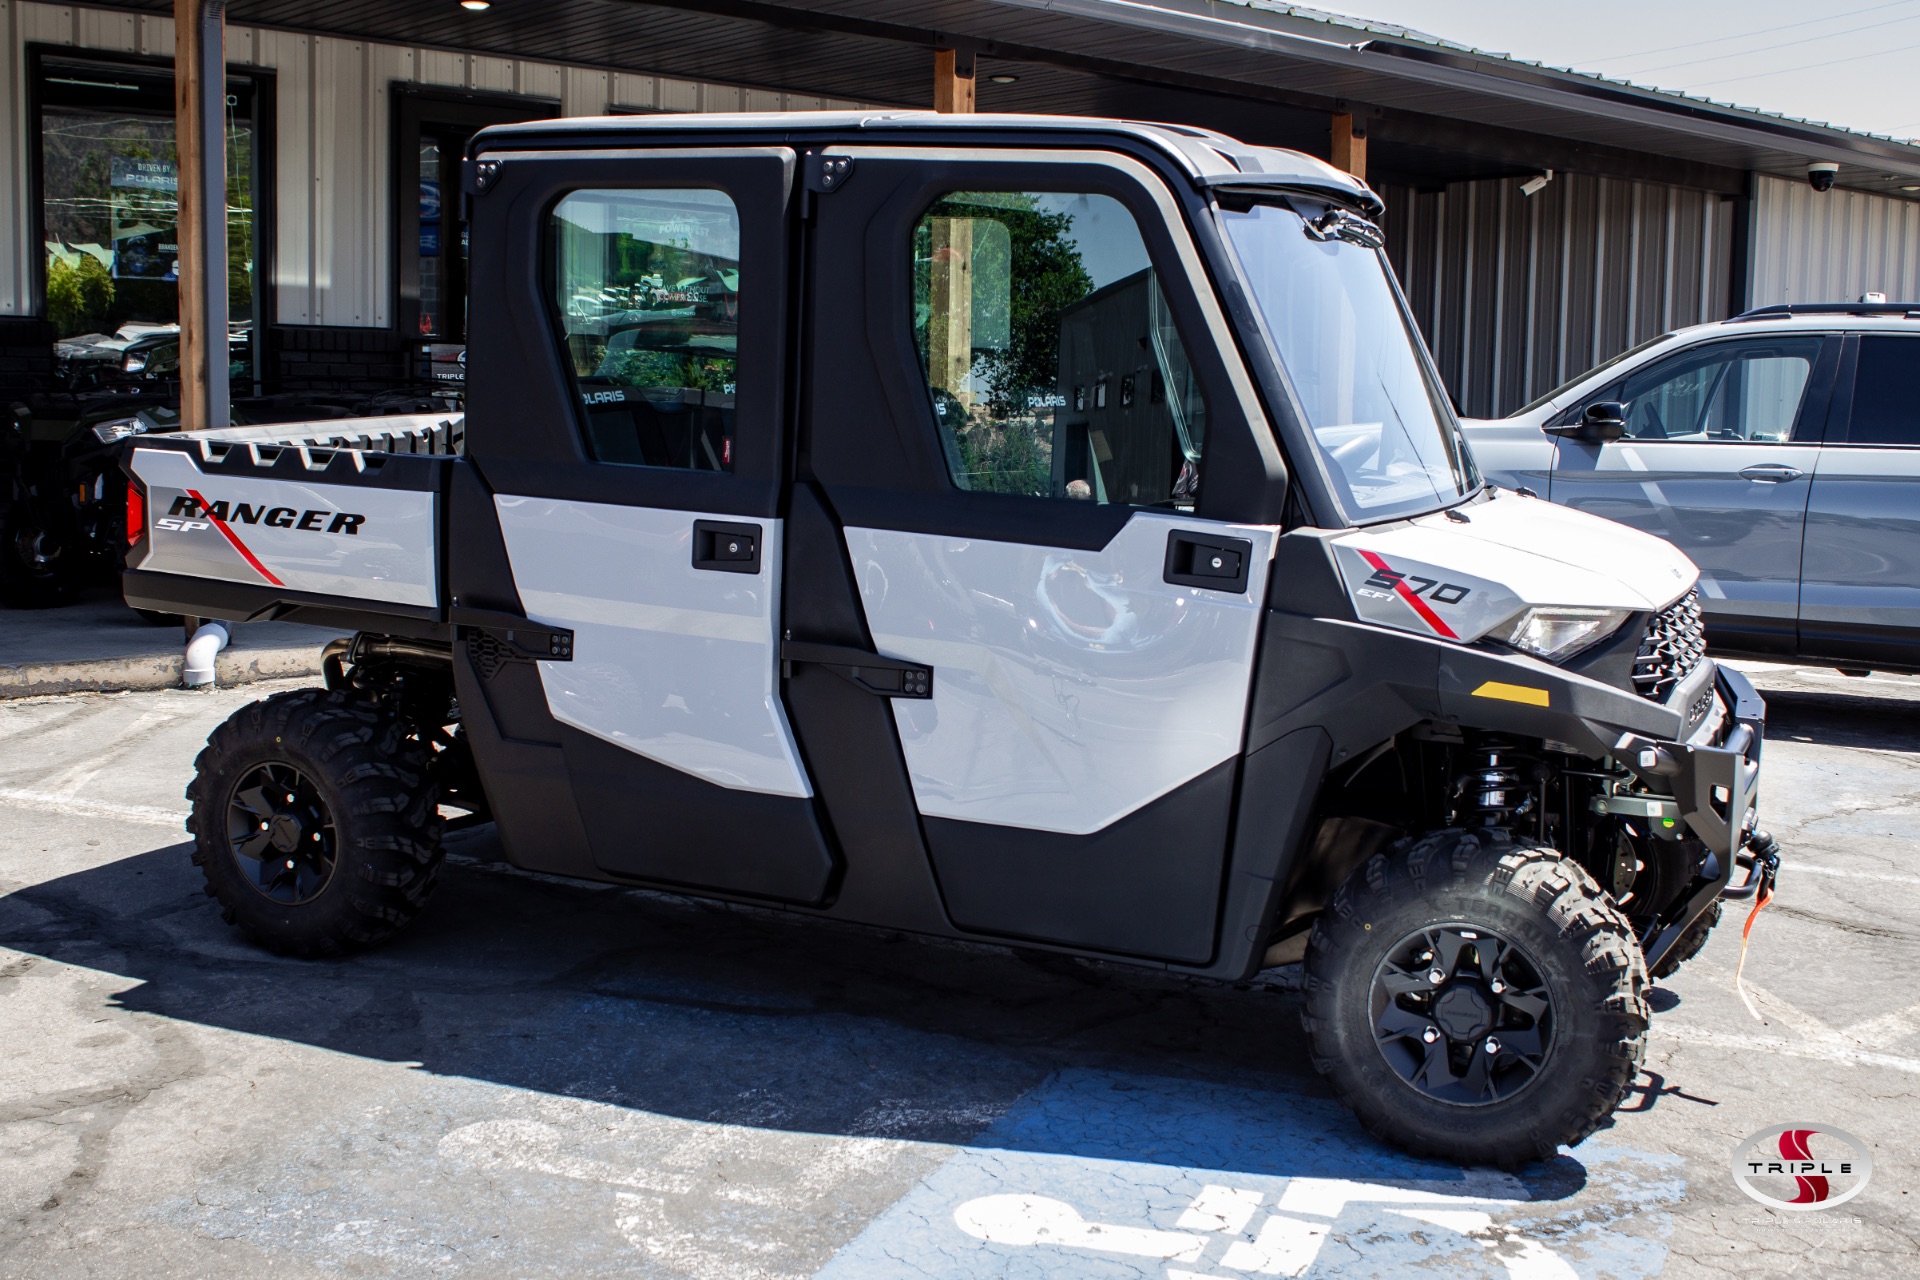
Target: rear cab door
(1026, 468)
(627, 397)
(1718, 458)
(1860, 588)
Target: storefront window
(110, 201)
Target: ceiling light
(1003, 79)
(1917, 188)
(476, 5)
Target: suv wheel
(1476, 998)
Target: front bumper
(1714, 783)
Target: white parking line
(53, 802)
(1798, 868)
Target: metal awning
(1262, 71)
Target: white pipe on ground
(209, 640)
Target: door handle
(1771, 473)
(1203, 560)
(879, 676)
(721, 547)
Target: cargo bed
(337, 523)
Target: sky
(1854, 63)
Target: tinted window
(1886, 392)
(1730, 391)
(647, 288)
(1049, 351)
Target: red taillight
(136, 513)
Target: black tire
(1689, 943)
(34, 565)
(338, 783)
(1553, 929)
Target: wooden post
(953, 81)
(950, 326)
(200, 137)
(1350, 144)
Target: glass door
(109, 213)
(433, 130)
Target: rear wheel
(1475, 998)
(315, 822)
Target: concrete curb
(153, 671)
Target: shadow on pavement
(721, 1014)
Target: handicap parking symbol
(1096, 1175)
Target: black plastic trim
(1147, 885)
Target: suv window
(1885, 383)
(1735, 391)
(1050, 353)
(646, 285)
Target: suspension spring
(1496, 790)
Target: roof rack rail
(1781, 310)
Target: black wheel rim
(281, 834)
(1462, 1014)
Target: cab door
(1718, 458)
(628, 391)
(1035, 488)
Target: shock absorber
(1496, 790)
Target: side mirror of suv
(1603, 422)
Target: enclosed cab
(1032, 530)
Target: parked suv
(1779, 449)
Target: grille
(1676, 641)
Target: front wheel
(316, 822)
(1476, 998)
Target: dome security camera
(1821, 173)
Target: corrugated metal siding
(1516, 294)
(1831, 246)
(333, 235)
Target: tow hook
(1761, 860)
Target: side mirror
(1603, 422)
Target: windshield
(1602, 367)
(1379, 419)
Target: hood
(1456, 579)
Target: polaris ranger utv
(1039, 530)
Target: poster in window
(145, 216)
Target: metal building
(348, 115)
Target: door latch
(883, 677)
(726, 548)
(1203, 560)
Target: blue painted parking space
(1115, 1177)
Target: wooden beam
(1350, 144)
(953, 81)
(200, 139)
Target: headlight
(134, 363)
(118, 429)
(1559, 633)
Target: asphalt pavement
(552, 1079)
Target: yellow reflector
(1512, 693)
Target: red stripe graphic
(1420, 606)
(206, 509)
(1793, 1146)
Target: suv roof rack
(1781, 310)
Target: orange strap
(1746, 933)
